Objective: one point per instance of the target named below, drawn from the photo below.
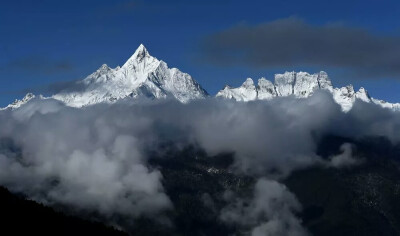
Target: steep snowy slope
(246, 92)
(300, 85)
(141, 75)
(18, 103)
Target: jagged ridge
(300, 85)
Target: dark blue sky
(45, 42)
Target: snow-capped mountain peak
(140, 64)
(246, 92)
(266, 89)
(249, 83)
(300, 85)
(142, 75)
(362, 94)
(140, 53)
(18, 103)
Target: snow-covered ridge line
(18, 103)
(143, 75)
(300, 85)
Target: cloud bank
(89, 160)
(291, 42)
(96, 158)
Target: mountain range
(143, 75)
(344, 177)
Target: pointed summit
(142, 61)
(140, 55)
(141, 52)
(362, 94)
(104, 68)
(141, 49)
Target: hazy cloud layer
(95, 158)
(291, 42)
(38, 65)
(59, 87)
(269, 212)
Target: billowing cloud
(97, 158)
(84, 159)
(291, 42)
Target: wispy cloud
(38, 65)
(291, 42)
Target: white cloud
(95, 158)
(344, 159)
